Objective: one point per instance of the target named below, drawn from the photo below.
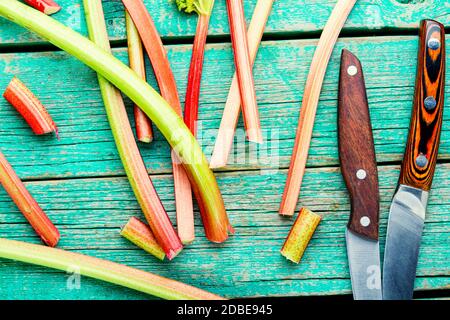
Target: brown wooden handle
(356, 148)
(421, 151)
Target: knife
(359, 169)
(407, 213)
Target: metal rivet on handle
(352, 70)
(361, 174)
(434, 44)
(365, 221)
(430, 103)
(421, 161)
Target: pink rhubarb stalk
(144, 131)
(141, 235)
(224, 141)
(46, 6)
(126, 145)
(244, 70)
(27, 205)
(31, 109)
(166, 81)
(203, 8)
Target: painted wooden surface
(80, 182)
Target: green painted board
(86, 148)
(288, 17)
(80, 183)
(90, 212)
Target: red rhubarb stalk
(46, 6)
(126, 145)
(166, 81)
(141, 235)
(143, 124)
(27, 205)
(238, 31)
(29, 107)
(203, 8)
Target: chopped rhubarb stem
(141, 235)
(166, 81)
(144, 131)
(102, 270)
(27, 205)
(129, 153)
(195, 74)
(244, 70)
(301, 233)
(224, 141)
(29, 107)
(310, 101)
(46, 6)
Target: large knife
(407, 214)
(359, 169)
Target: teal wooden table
(79, 181)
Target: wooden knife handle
(356, 148)
(422, 147)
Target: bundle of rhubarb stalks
(191, 171)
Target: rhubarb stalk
(230, 117)
(141, 235)
(144, 132)
(203, 8)
(309, 104)
(45, 229)
(160, 112)
(102, 270)
(167, 85)
(134, 166)
(46, 6)
(29, 106)
(244, 70)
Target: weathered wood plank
(86, 148)
(89, 213)
(288, 16)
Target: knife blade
(407, 212)
(359, 170)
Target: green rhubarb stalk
(141, 235)
(159, 111)
(102, 270)
(129, 153)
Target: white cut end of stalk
(51, 10)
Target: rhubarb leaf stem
(102, 270)
(134, 166)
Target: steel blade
(364, 262)
(404, 233)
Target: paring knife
(359, 169)
(407, 214)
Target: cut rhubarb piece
(244, 73)
(129, 153)
(166, 82)
(141, 235)
(46, 6)
(203, 8)
(141, 93)
(102, 270)
(30, 108)
(224, 141)
(144, 131)
(300, 235)
(45, 229)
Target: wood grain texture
(90, 212)
(422, 148)
(288, 17)
(356, 147)
(87, 149)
